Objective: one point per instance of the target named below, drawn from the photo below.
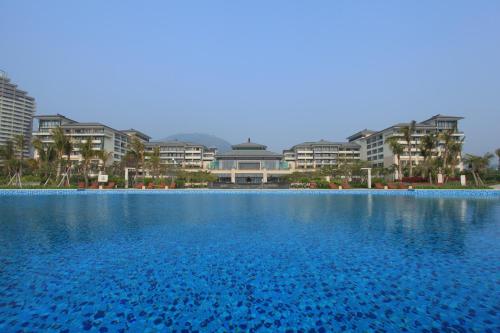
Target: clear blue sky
(280, 72)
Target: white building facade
(317, 154)
(181, 154)
(103, 137)
(17, 109)
(376, 150)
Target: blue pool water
(253, 261)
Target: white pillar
(440, 178)
(126, 177)
(463, 180)
(233, 176)
(369, 178)
(264, 176)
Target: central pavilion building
(249, 163)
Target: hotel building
(103, 137)
(376, 150)
(183, 154)
(249, 163)
(314, 155)
(16, 112)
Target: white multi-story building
(376, 150)
(183, 154)
(313, 155)
(103, 137)
(16, 112)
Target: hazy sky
(280, 72)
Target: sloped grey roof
(325, 142)
(256, 153)
(174, 143)
(249, 145)
(360, 134)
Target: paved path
(496, 187)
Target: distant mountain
(201, 138)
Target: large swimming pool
(246, 261)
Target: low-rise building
(376, 149)
(181, 154)
(249, 163)
(317, 154)
(138, 134)
(103, 137)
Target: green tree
(46, 156)
(8, 155)
(104, 158)
(397, 149)
(61, 145)
(138, 152)
(428, 144)
(154, 162)
(477, 165)
(408, 132)
(88, 153)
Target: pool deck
(463, 193)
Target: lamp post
(369, 176)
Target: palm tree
(88, 153)
(408, 132)
(455, 154)
(61, 144)
(104, 158)
(477, 165)
(17, 159)
(46, 155)
(8, 154)
(448, 141)
(137, 150)
(155, 161)
(397, 149)
(67, 150)
(427, 147)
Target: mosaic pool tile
(249, 261)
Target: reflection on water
(365, 262)
(53, 221)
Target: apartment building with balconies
(318, 154)
(376, 150)
(17, 109)
(181, 154)
(103, 137)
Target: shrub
(379, 180)
(414, 179)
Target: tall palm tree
(17, 159)
(408, 132)
(137, 150)
(448, 140)
(455, 155)
(155, 161)
(46, 155)
(427, 146)
(61, 147)
(397, 149)
(104, 158)
(8, 155)
(477, 165)
(88, 153)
